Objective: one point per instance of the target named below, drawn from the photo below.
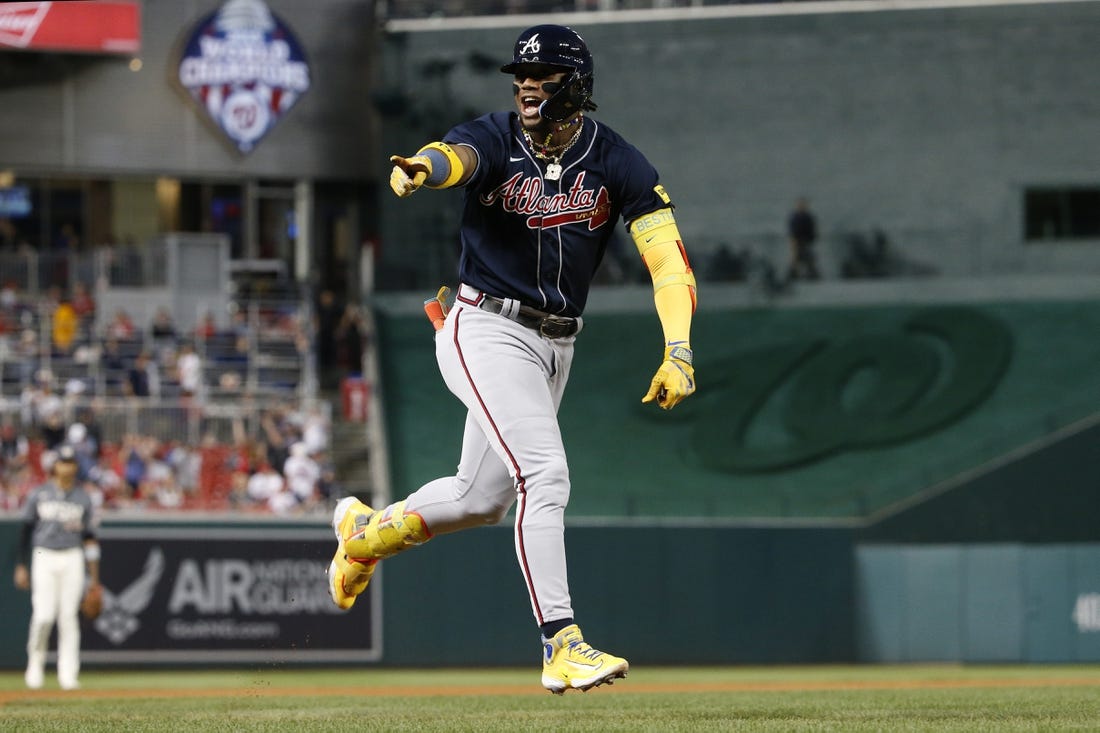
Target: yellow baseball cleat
(569, 662)
(383, 533)
(347, 578)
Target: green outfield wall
(671, 593)
(809, 412)
(1047, 493)
(655, 593)
(978, 603)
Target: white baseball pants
(57, 584)
(511, 380)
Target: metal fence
(226, 420)
(33, 272)
(261, 345)
(266, 352)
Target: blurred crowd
(283, 470)
(56, 335)
(207, 438)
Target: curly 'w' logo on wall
(782, 406)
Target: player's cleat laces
(569, 662)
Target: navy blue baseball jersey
(538, 240)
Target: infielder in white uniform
(59, 523)
(545, 187)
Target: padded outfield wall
(190, 593)
(187, 592)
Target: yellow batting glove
(408, 174)
(675, 380)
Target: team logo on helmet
(531, 45)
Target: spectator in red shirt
(82, 301)
(121, 327)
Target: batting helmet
(557, 45)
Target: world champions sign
(245, 67)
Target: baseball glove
(92, 603)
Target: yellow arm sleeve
(659, 244)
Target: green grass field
(856, 698)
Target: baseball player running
(545, 185)
(59, 522)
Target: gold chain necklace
(553, 154)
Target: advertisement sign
(225, 594)
(15, 202)
(245, 67)
(86, 27)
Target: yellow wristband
(446, 165)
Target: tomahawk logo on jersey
(523, 232)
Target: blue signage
(206, 594)
(244, 66)
(15, 202)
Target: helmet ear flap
(574, 96)
(585, 83)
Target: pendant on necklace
(553, 172)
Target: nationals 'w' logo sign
(813, 399)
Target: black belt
(547, 324)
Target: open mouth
(529, 106)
